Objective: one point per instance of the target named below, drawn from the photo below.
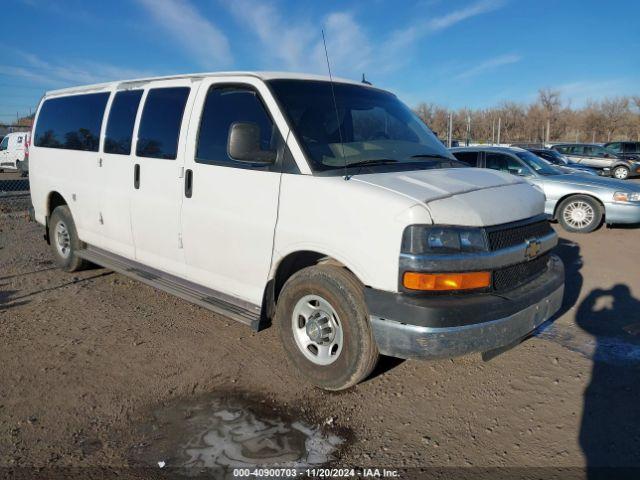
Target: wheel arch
(287, 266)
(54, 200)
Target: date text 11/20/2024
(316, 473)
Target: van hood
(464, 196)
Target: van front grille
(513, 276)
(515, 235)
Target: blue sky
(456, 53)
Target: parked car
(563, 163)
(326, 207)
(578, 202)
(597, 156)
(628, 150)
(14, 150)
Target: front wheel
(64, 240)
(580, 214)
(324, 327)
(621, 173)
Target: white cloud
(205, 42)
(54, 75)
(489, 65)
(401, 39)
(579, 92)
(284, 43)
(296, 43)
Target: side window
(470, 158)
(615, 147)
(5, 142)
(504, 163)
(562, 149)
(160, 124)
(576, 150)
(19, 139)
(593, 151)
(71, 123)
(631, 148)
(223, 107)
(122, 116)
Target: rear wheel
(324, 327)
(580, 214)
(64, 240)
(621, 173)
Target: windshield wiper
(379, 161)
(431, 155)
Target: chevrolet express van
(326, 208)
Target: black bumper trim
(439, 311)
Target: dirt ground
(86, 358)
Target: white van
(326, 207)
(13, 150)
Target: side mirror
(243, 144)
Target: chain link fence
(14, 192)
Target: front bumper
(622, 213)
(448, 326)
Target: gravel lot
(87, 360)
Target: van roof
(254, 74)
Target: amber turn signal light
(439, 282)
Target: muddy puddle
(212, 435)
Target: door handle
(136, 176)
(188, 183)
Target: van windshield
(371, 128)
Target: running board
(217, 302)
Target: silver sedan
(579, 202)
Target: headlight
(626, 197)
(419, 239)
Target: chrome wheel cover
(620, 173)
(62, 239)
(317, 330)
(578, 214)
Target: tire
(621, 173)
(64, 240)
(325, 303)
(580, 214)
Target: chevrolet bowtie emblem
(533, 248)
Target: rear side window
(223, 107)
(72, 123)
(632, 148)
(122, 116)
(160, 125)
(504, 163)
(470, 158)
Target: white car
(325, 207)
(13, 150)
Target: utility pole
(593, 136)
(548, 130)
(449, 139)
(493, 132)
(468, 140)
(499, 122)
